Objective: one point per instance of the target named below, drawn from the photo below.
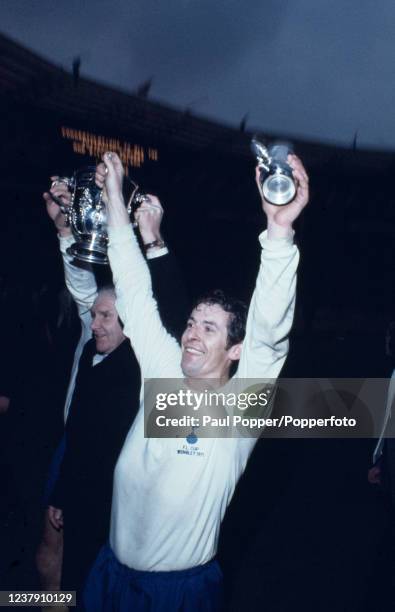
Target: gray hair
(108, 289)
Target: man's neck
(203, 384)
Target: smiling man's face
(204, 343)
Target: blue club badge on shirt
(192, 437)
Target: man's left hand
(281, 218)
(149, 217)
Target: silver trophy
(276, 179)
(87, 214)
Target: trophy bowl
(87, 215)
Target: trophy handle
(64, 208)
(135, 199)
(261, 153)
(133, 195)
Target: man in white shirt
(102, 399)
(166, 512)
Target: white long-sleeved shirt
(170, 496)
(81, 282)
(82, 285)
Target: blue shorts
(113, 587)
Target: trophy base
(84, 253)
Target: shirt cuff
(277, 243)
(124, 233)
(65, 242)
(154, 253)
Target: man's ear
(235, 351)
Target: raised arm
(80, 280)
(270, 316)
(170, 293)
(166, 278)
(155, 349)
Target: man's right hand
(109, 176)
(60, 190)
(55, 516)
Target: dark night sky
(309, 68)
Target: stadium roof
(28, 79)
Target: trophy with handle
(276, 179)
(87, 214)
